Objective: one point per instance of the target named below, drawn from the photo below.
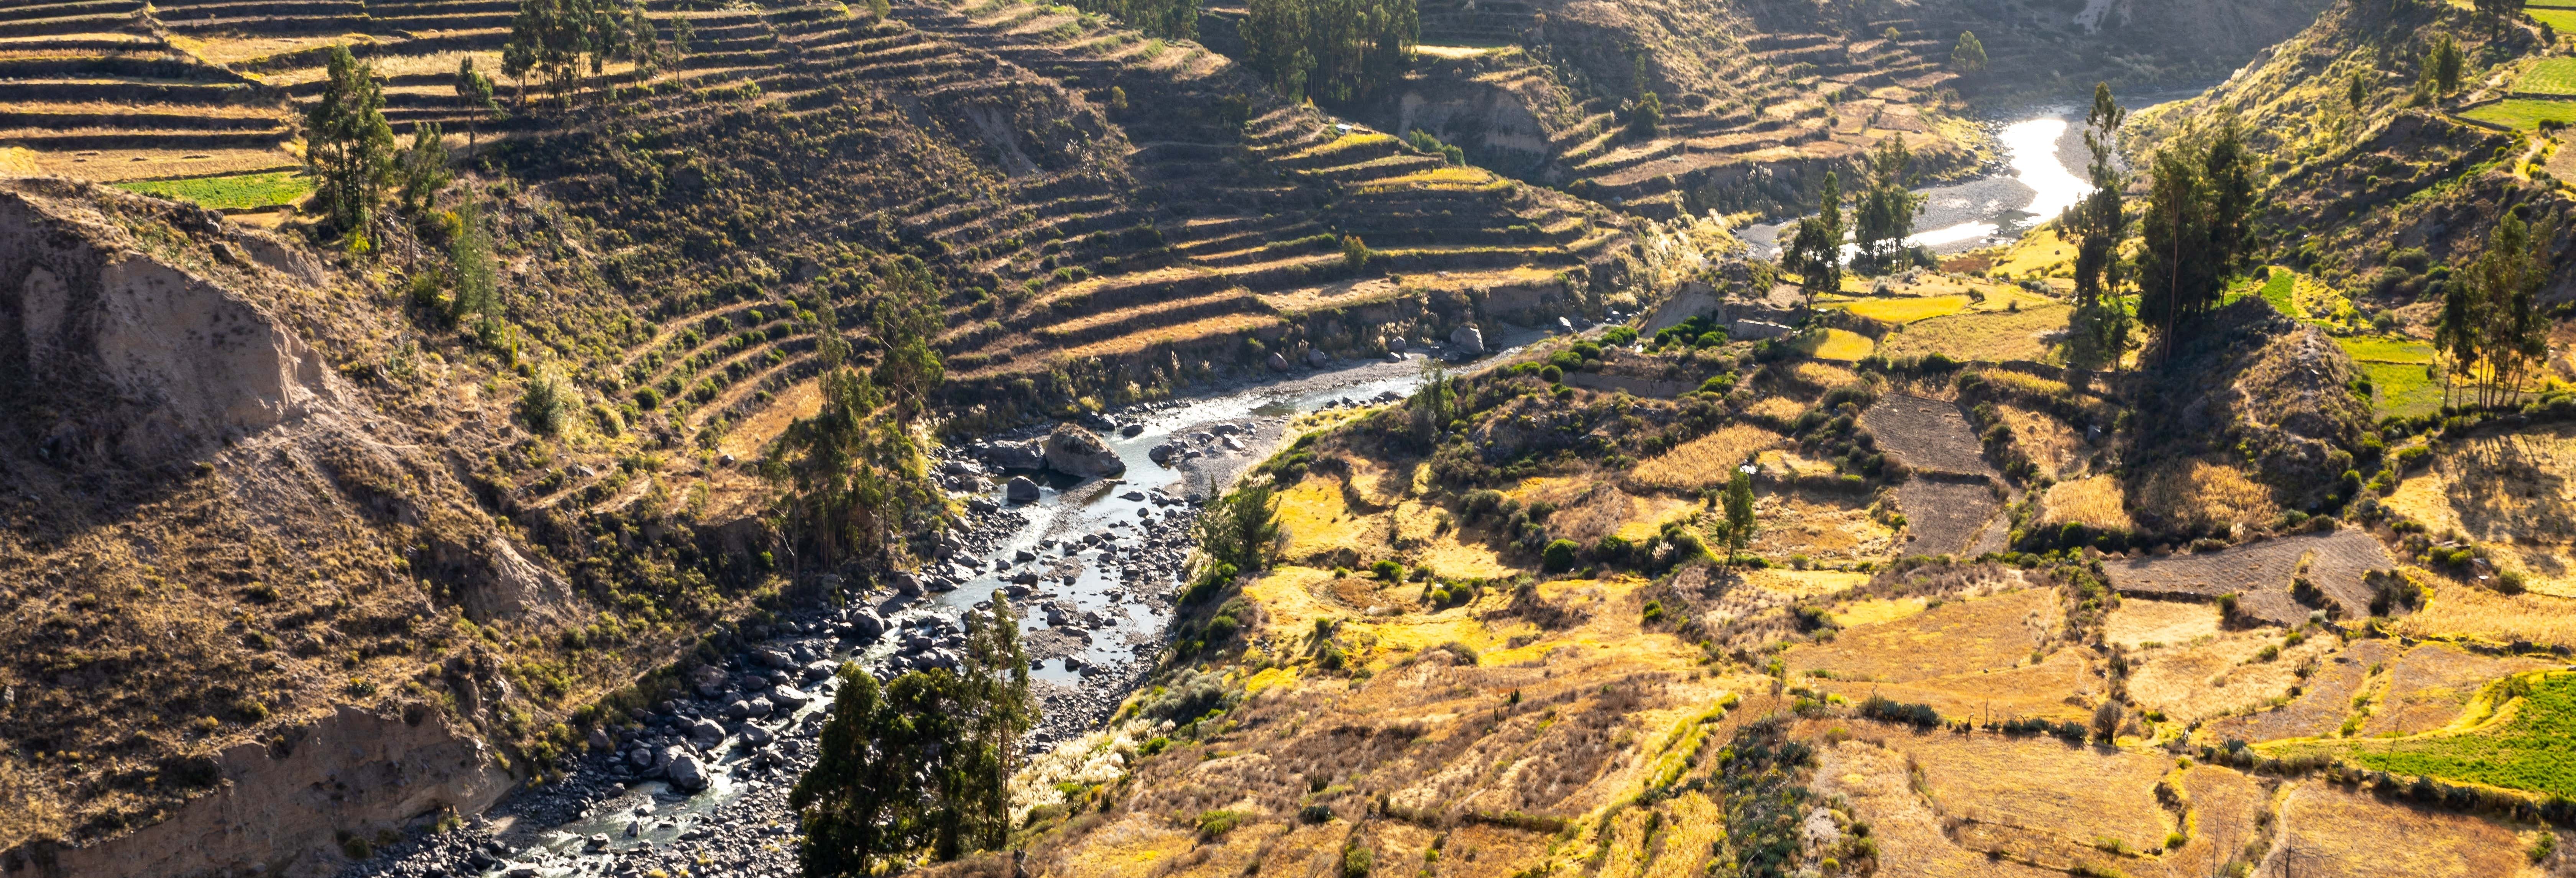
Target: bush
(1387, 570)
(1213, 824)
(1315, 814)
(1887, 710)
(543, 404)
(1558, 557)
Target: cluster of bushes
(1831, 430)
(1697, 332)
(2070, 731)
(1886, 710)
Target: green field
(239, 192)
(2277, 291)
(2400, 389)
(2387, 349)
(2556, 76)
(2534, 749)
(2528, 114)
(2560, 20)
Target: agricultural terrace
(2558, 15)
(232, 193)
(2519, 733)
(2551, 76)
(2510, 495)
(2525, 114)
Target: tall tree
(1739, 512)
(476, 90)
(2446, 63)
(2357, 90)
(858, 483)
(2197, 227)
(1815, 248)
(422, 168)
(1241, 530)
(1968, 54)
(2096, 224)
(907, 321)
(557, 40)
(2491, 330)
(349, 148)
(920, 764)
(1339, 50)
(478, 286)
(1883, 215)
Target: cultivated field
(1912, 837)
(2216, 675)
(2525, 114)
(2323, 704)
(2260, 574)
(2514, 495)
(1991, 337)
(2431, 685)
(1977, 634)
(1704, 462)
(2201, 495)
(1927, 434)
(2318, 826)
(2095, 501)
(2038, 799)
(2463, 610)
(2146, 622)
(1944, 516)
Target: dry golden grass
(1823, 527)
(1872, 612)
(1823, 376)
(2224, 805)
(2045, 789)
(1805, 583)
(2458, 610)
(2205, 493)
(2319, 822)
(1982, 336)
(2323, 702)
(2139, 621)
(2095, 501)
(2062, 687)
(2051, 445)
(2511, 496)
(1844, 345)
(1706, 461)
(1974, 635)
(1321, 526)
(1777, 408)
(1692, 827)
(2041, 253)
(2218, 675)
(1911, 840)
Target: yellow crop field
(2205, 494)
(1706, 461)
(1907, 309)
(2140, 621)
(2076, 794)
(2096, 502)
(2460, 610)
(1913, 840)
(1983, 336)
(1979, 634)
(1844, 345)
(2218, 674)
(2318, 820)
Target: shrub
(1884, 709)
(1315, 814)
(1357, 859)
(1213, 824)
(1620, 335)
(648, 399)
(543, 404)
(1387, 570)
(1558, 557)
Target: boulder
(1020, 490)
(599, 740)
(1317, 359)
(906, 583)
(1074, 451)
(685, 773)
(1162, 454)
(759, 707)
(820, 669)
(773, 658)
(1131, 431)
(1277, 363)
(1469, 340)
(866, 624)
(708, 681)
(790, 697)
(1016, 455)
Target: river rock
(708, 681)
(1317, 358)
(686, 774)
(759, 707)
(1020, 490)
(1469, 339)
(599, 740)
(1131, 431)
(1016, 455)
(866, 624)
(1074, 451)
(1277, 363)
(774, 658)
(790, 697)
(906, 583)
(1162, 454)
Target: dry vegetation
(1706, 461)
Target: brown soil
(1943, 517)
(2320, 709)
(2260, 574)
(1928, 435)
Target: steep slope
(2370, 200)
(231, 530)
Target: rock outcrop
(1074, 451)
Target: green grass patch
(2401, 389)
(2533, 749)
(2277, 290)
(237, 192)
(2555, 76)
(2560, 20)
(2527, 114)
(2387, 349)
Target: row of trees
(2095, 225)
(1167, 19)
(557, 40)
(859, 484)
(2492, 332)
(1882, 218)
(1334, 49)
